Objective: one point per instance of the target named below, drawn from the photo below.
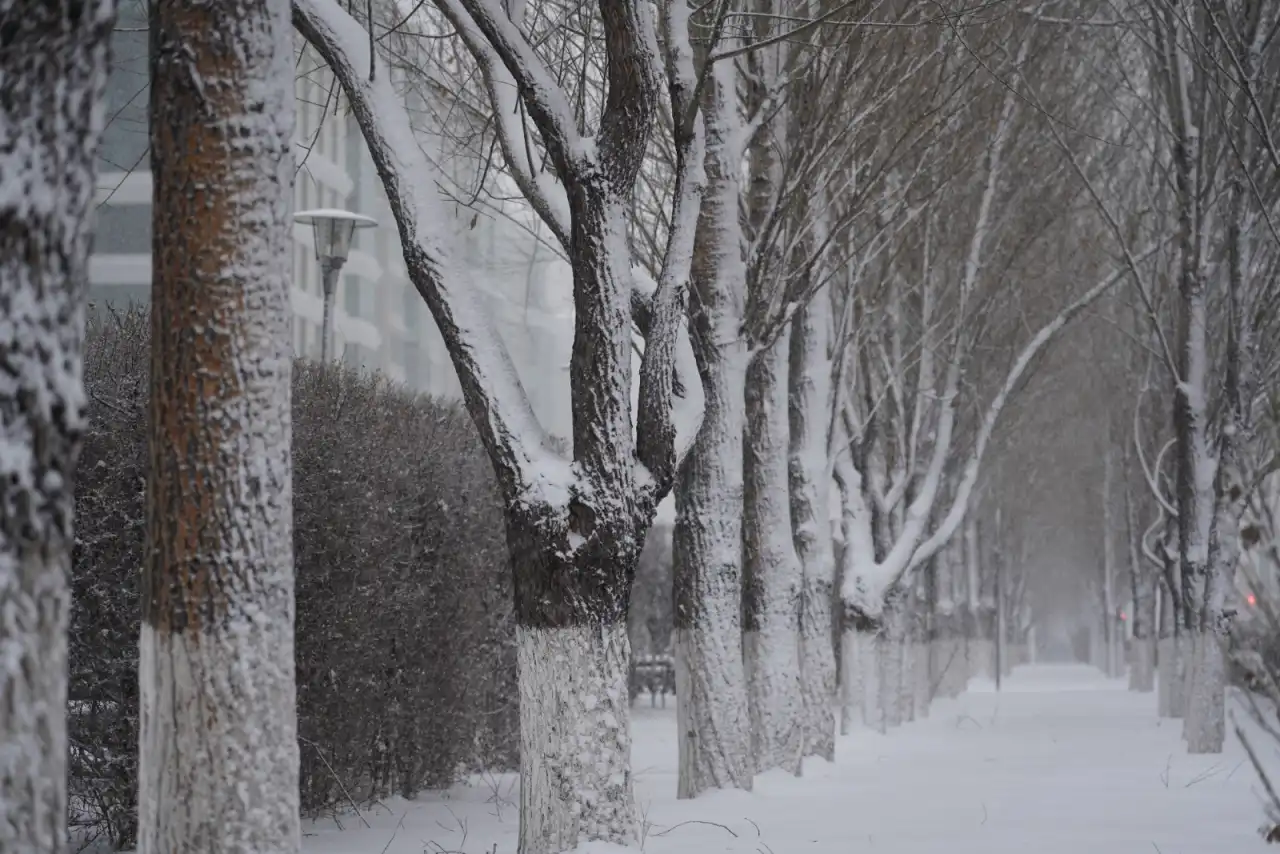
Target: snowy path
(1060, 762)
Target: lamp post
(333, 230)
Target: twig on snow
(723, 827)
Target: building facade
(380, 321)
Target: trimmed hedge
(406, 667)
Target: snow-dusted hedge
(405, 662)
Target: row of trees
(844, 235)
(1185, 445)
(884, 216)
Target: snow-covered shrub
(406, 670)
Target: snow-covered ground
(1060, 762)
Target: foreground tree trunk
(53, 63)
(218, 770)
(809, 409)
(772, 576)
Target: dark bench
(655, 674)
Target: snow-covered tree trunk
(871, 644)
(809, 409)
(1110, 639)
(575, 779)
(857, 630)
(926, 634)
(1165, 655)
(218, 766)
(772, 574)
(53, 63)
(711, 695)
(981, 648)
(892, 660)
(1143, 651)
(574, 525)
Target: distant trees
(53, 61)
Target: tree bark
(218, 769)
(573, 657)
(1143, 658)
(53, 63)
(772, 576)
(809, 410)
(713, 722)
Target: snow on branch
(521, 450)
(486, 28)
(541, 188)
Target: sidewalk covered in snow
(1061, 761)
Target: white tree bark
(218, 765)
(711, 694)
(53, 61)
(872, 646)
(772, 570)
(576, 766)
(809, 409)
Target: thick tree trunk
(573, 660)
(711, 695)
(53, 62)
(772, 576)
(218, 770)
(575, 736)
(809, 410)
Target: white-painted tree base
(982, 658)
(1142, 663)
(218, 763)
(951, 667)
(924, 679)
(818, 670)
(851, 688)
(870, 646)
(1172, 678)
(575, 737)
(1204, 725)
(773, 693)
(890, 665)
(715, 728)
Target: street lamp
(333, 231)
